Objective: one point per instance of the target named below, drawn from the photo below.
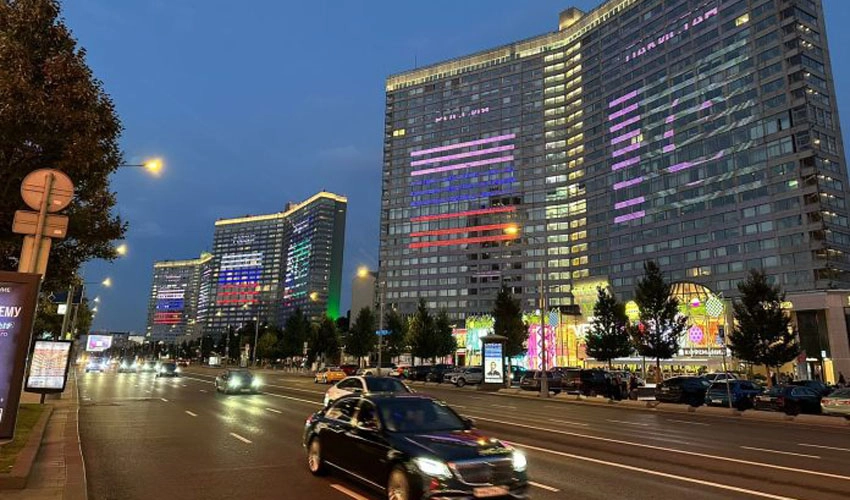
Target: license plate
(490, 491)
(716, 401)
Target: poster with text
(18, 293)
(49, 366)
(493, 371)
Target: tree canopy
(608, 337)
(361, 337)
(507, 313)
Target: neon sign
(464, 114)
(657, 42)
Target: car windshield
(418, 416)
(385, 385)
(241, 373)
(169, 366)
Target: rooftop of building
(290, 208)
(182, 263)
(572, 25)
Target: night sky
(254, 104)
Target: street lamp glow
(314, 296)
(107, 282)
(121, 249)
(512, 230)
(97, 300)
(362, 272)
(154, 166)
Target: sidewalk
(58, 472)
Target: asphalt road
(175, 438)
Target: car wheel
(398, 486)
(460, 382)
(315, 462)
(792, 410)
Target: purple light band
(669, 148)
(628, 217)
(705, 105)
(625, 137)
(458, 156)
(628, 183)
(669, 134)
(688, 164)
(625, 98)
(625, 163)
(629, 203)
(670, 119)
(463, 145)
(627, 149)
(469, 164)
(624, 111)
(624, 124)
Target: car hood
(452, 446)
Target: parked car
(237, 380)
(433, 452)
(438, 373)
(329, 375)
(837, 403)
(418, 373)
(365, 385)
(682, 390)
(743, 394)
(369, 371)
(815, 385)
(587, 382)
(531, 380)
(790, 399)
(470, 375)
(517, 372)
(349, 369)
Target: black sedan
(790, 399)
(683, 390)
(412, 447)
(237, 380)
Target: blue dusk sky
(257, 103)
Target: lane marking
(240, 438)
(183, 385)
(203, 390)
(191, 414)
(164, 400)
(625, 422)
(834, 448)
(294, 389)
(346, 491)
(292, 398)
(656, 473)
(664, 448)
(687, 422)
(504, 406)
(568, 422)
(544, 487)
(273, 410)
(778, 452)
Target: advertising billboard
(493, 369)
(18, 294)
(98, 343)
(49, 366)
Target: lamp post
(153, 166)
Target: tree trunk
(658, 377)
(610, 366)
(769, 379)
(509, 376)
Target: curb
(17, 479)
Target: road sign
(26, 222)
(37, 183)
(382, 333)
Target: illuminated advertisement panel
(493, 361)
(239, 278)
(98, 343)
(49, 366)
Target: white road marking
(568, 422)
(834, 448)
(504, 406)
(293, 399)
(651, 472)
(273, 410)
(664, 448)
(625, 422)
(294, 389)
(240, 438)
(149, 392)
(191, 414)
(346, 491)
(203, 390)
(544, 487)
(183, 385)
(558, 407)
(164, 400)
(779, 452)
(687, 422)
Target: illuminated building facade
(267, 266)
(703, 134)
(178, 302)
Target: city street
(144, 437)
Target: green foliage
(324, 343)
(661, 326)
(421, 334)
(54, 113)
(763, 333)
(361, 338)
(267, 346)
(508, 323)
(296, 331)
(396, 342)
(608, 337)
(444, 341)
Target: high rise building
(179, 299)
(267, 266)
(703, 134)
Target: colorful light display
(239, 277)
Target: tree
(396, 342)
(296, 331)
(325, 340)
(507, 313)
(421, 334)
(608, 337)
(444, 340)
(267, 346)
(55, 113)
(657, 333)
(763, 333)
(361, 336)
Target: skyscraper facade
(702, 134)
(178, 302)
(267, 266)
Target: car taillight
(845, 402)
(826, 401)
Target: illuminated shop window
(744, 19)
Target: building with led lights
(267, 266)
(179, 299)
(703, 134)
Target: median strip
(240, 438)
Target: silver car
(837, 403)
(472, 375)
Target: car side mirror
(468, 423)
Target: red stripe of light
(463, 241)
(468, 213)
(456, 230)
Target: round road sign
(34, 188)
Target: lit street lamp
(121, 249)
(153, 166)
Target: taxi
(329, 375)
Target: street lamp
(107, 282)
(153, 166)
(363, 272)
(121, 249)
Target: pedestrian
(842, 382)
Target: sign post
(493, 362)
(46, 190)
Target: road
(144, 437)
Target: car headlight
(177, 370)
(432, 467)
(256, 382)
(520, 462)
(233, 382)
